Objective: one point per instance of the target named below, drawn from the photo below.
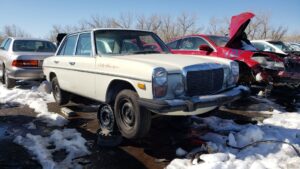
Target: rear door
(62, 61)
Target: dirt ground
(154, 152)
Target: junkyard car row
(257, 64)
(134, 74)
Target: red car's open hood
(238, 25)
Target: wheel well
(246, 75)
(52, 75)
(243, 66)
(115, 87)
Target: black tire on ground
(106, 117)
(133, 121)
(61, 97)
(9, 83)
(2, 78)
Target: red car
(255, 66)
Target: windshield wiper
(146, 51)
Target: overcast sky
(37, 16)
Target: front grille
(203, 82)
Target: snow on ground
(37, 99)
(68, 140)
(227, 135)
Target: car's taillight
(25, 63)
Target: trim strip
(107, 74)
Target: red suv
(255, 66)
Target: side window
(68, 46)
(187, 44)
(198, 42)
(84, 46)
(173, 45)
(192, 43)
(7, 44)
(3, 43)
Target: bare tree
(151, 23)
(125, 20)
(187, 24)
(168, 29)
(218, 26)
(14, 31)
(259, 28)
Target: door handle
(72, 63)
(56, 61)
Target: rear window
(33, 46)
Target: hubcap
(106, 117)
(127, 113)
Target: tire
(133, 121)
(9, 83)
(2, 79)
(106, 118)
(61, 97)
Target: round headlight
(178, 89)
(160, 76)
(159, 82)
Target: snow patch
(224, 153)
(36, 99)
(68, 139)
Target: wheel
(2, 79)
(61, 97)
(133, 121)
(9, 83)
(106, 118)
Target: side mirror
(205, 48)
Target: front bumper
(191, 104)
(26, 73)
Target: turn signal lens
(25, 63)
(141, 86)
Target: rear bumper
(26, 74)
(191, 104)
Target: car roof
(96, 29)
(24, 38)
(193, 35)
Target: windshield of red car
(33, 46)
(219, 40)
(124, 42)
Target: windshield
(219, 40)
(33, 46)
(124, 42)
(280, 45)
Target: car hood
(174, 63)
(238, 24)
